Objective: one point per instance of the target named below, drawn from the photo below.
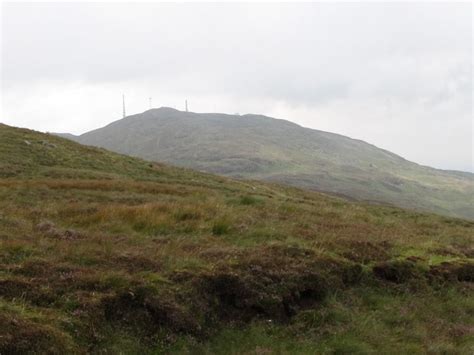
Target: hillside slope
(104, 253)
(259, 147)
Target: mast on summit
(123, 105)
(186, 105)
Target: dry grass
(170, 259)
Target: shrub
(220, 227)
(249, 200)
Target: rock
(48, 144)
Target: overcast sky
(395, 75)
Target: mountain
(105, 253)
(66, 135)
(264, 148)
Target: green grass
(104, 253)
(362, 320)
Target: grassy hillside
(263, 148)
(105, 253)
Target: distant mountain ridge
(265, 148)
(66, 135)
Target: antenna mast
(123, 105)
(149, 102)
(186, 104)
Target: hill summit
(265, 148)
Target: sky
(397, 75)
